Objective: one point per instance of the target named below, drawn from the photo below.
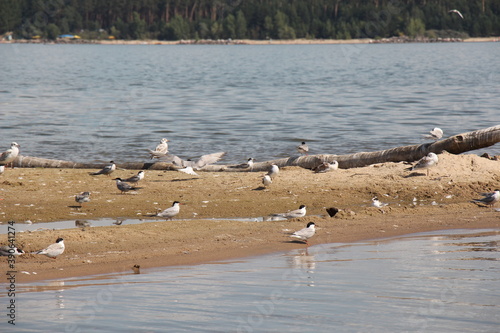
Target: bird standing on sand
(306, 233)
(125, 187)
(456, 12)
(325, 167)
(266, 180)
(489, 199)
(136, 178)
(376, 203)
(170, 211)
(53, 250)
(435, 134)
(6, 250)
(274, 171)
(10, 154)
(82, 198)
(303, 148)
(426, 162)
(107, 170)
(160, 150)
(301, 212)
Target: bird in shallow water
(301, 212)
(306, 233)
(376, 203)
(53, 250)
(107, 170)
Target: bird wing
(189, 170)
(208, 159)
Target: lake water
(103, 102)
(445, 281)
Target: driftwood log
(456, 144)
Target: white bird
(107, 170)
(303, 148)
(274, 171)
(426, 162)
(489, 199)
(170, 211)
(247, 165)
(325, 167)
(306, 233)
(376, 203)
(435, 134)
(200, 163)
(456, 12)
(125, 187)
(189, 170)
(2, 169)
(10, 154)
(266, 180)
(301, 212)
(136, 178)
(53, 250)
(6, 250)
(160, 150)
(82, 198)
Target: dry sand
(43, 195)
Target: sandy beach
(203, 231)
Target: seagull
(303, 148)
(306, 233)
(457, 12)
(10, 155)
(170, 211)
(160, 150)
(136, 178)
(82, 198)
(489, 199)
(426, 162)
(247, 165)
(274, 171)
(200, 163)
(325, 167)
(377, 203)
(125, 187)
(435, 134)
(266, 180)
(107, 170)
(301, 212)
(53, 250)
(6, 250)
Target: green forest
(249, 19)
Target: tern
(189, 170)
(82, 198)
(325, 167)
(266, 180)
(107, 170)
(160, 150)
(137, 269)
(125, 187)
(435, 134)
(306, 233)
(489, 199)
(247, 165)
(274, 171)
(456, 12)
(10, 154)
(6, 250)
(377, 203)
(170, 211)
(2, 169)
(303, 148)
(196, 165)
(301, 212)
(136, 178)
(426, 162)
(53, 250)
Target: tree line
(249, 19)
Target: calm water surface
(433, 282)
(103, 102)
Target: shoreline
(417, 203)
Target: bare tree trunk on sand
(456, 144)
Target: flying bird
(125, 187)
(196, 165)
(107, 170)
(426, 162)
(489, 199)
(306, 233)
(82, 198)
(189, 170)
(53, 250)
(160, 150)
(456, 12)
(10, 154)
(435, 134)
(303, 148)
(325, 167)
(136, 178)
(170, 211)
(6, 250)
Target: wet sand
(417, 203)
